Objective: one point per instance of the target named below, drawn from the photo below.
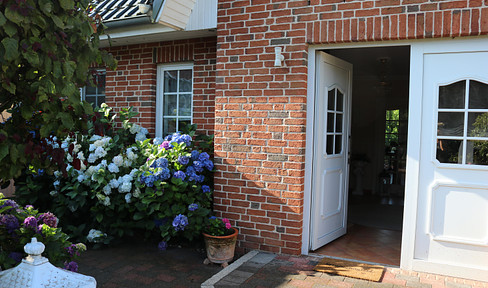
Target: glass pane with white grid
(177, 99)
(334, 133)
(95, 94)
(462, 123)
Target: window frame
(97, 95)
(160, 94)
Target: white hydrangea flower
(113, 168)
(68, 167)
(131, 155)
(90, 171)
(107, 189)
(114, 183)
(100, 152)
(81, 156)
(135, 129)
(95, 138)
(103, 163)
(64, 145)
(76, 148)
(137, 192)
(95, 236)
(143, 131)
(118, 160)
(127, 163)
(57, 174)
(92, 147)
(82, 166)
(56, 184)
(69, 158)
(125, 187)
(127, 178)
(133, 172)
(106, 201)
(127, 197)
(92, 158)
(53, 193)
(140, 137)
(81, 178)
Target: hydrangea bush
(119, 183)
(19, 224)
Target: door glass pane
(169, 105)
(170, 81)
(339, 123)
(185, 105)
(478, 95)
(449, 151)
(169, 126)
(450, 124)
(477, 152)
(331, 100)
(340, 101)
(453, 95)
(477, 124)
(338, 144)
(330, 145)
(330, 122)
(185, 80)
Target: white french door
(330, 151)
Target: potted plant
(220, 241)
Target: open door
(330, 152)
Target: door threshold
(349, 259)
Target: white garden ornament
(35, 271)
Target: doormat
(350, 269)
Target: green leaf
(138, 216)
(57, 21)
(3, 151)
(10, 29)
(2, 19)
(9, 87)
(26, 112)
(11, 48)
(46, 6)
(13, 16)
(99, 218)
(67, 4)
(32, 57)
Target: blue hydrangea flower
(168, 138)
(203, 156)
(158, 141)
(193, 207)
(194, 154)
(183, 160)
(200, 178)
(205, 189)
(160, 163)
(208, 164)
(162, 245)
(212, 217)
(198, 166)
(180, 222)
(180, 174)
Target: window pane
(90, 90)
(478, 95)
(449, 151)
(100, 100)
(182, 123)
(185, 105)
(453, 95)
(450, 124)
(185, 80)
(340, 101)
(101, 84)
(330, 145)
(92, 100)
(169, 126)
(330, 122)
(169, 105)
(339, 123)
(170, 81)
(478, 124)
(338, 144)
(331, 100)
(477, 152)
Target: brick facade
(260, 110)
(134, 81)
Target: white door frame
(417, 50)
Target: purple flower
(198, 166)
(179, 174)
(180, 222)
(16, 256)
(183, 160)
(205, 189)
(166, 145)
(72, 250)
(49, 219)
(71, 266)
(27, 207)
(162, 245)
(193, 207)
(31, 222)
(10, 222)
(10, 203)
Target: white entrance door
(331, 133)
(452, 221)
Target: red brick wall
(261, 110)
(134, 81)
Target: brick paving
(142, 265)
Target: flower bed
(119, 183)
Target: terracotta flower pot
(220, 249)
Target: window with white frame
(174, 99)
(95, 94)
